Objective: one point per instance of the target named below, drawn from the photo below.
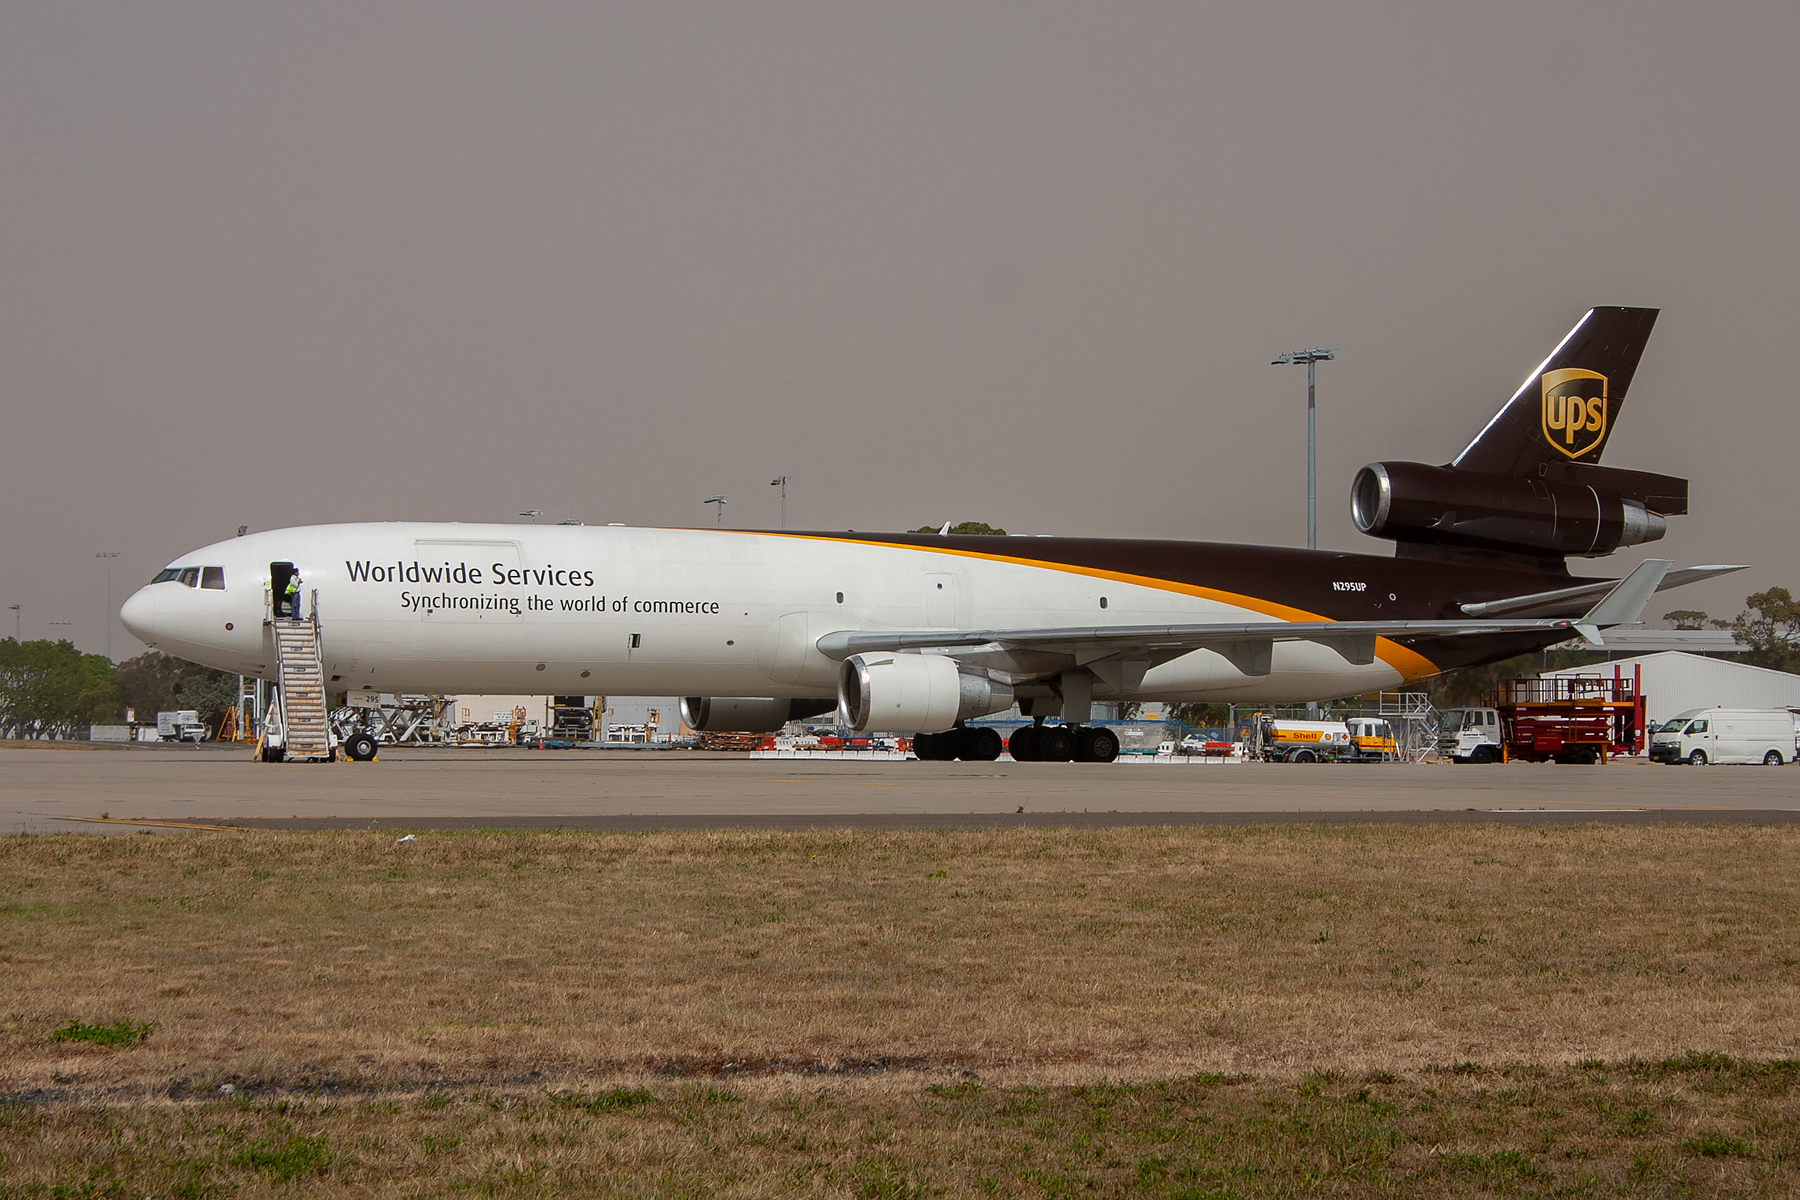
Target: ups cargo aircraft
(917, 633)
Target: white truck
(1725, 735)
(180, 726)
(1469, 735)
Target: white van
(1725, 735)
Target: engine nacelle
(914, 693)
(1412, 502)
(748, 714)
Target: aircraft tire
(1096, 745)
(1022, 745)
(360, 747)
(931, 747)
(1055, 744)
(981, 745)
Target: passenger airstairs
(305, 732)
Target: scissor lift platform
(1572, 718)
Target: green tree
(1687, 618)
(52, 690)
(1477, 684)
(148, 683)
(1770, 628)
(1202, 716)
(155, 682)
(981, 527)
(209, 693)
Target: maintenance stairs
(306, 733)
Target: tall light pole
(533, 513)
(109, 555)
(781, 482)
(1311, 358)
(720, 501)
(15, 612)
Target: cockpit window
(213, 578)
(189, 577)
(166, 574)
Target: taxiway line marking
(159, 824)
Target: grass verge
(344, 959)
(1698, 1125)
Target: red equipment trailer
(1572, 718)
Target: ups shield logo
(1575, 410)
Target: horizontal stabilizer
(1625, 603)
(1572, 600)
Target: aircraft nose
(138, 615)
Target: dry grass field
(1201, 1011)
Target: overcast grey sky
(1024, 263)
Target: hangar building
(1675, 682)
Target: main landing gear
(970, 745)
(1038, 742)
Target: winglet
(1625, 603)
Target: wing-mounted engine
(1530, 484)
(748, 714)
(914, 693)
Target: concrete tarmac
(96, 789)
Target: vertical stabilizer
(1566, 410)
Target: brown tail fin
(1566, 410)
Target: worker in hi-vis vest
(293, 595)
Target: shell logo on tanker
(1575, 410)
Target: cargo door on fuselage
(465, 582)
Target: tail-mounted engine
(914, 693)
(1594, 513)
(1531, 483)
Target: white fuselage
(565, 610)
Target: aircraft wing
(1247, 645)
(1132, 649)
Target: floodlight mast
(781, 482)
(109, 555)
(720, 501)
(533, 513)
(1317, 354)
